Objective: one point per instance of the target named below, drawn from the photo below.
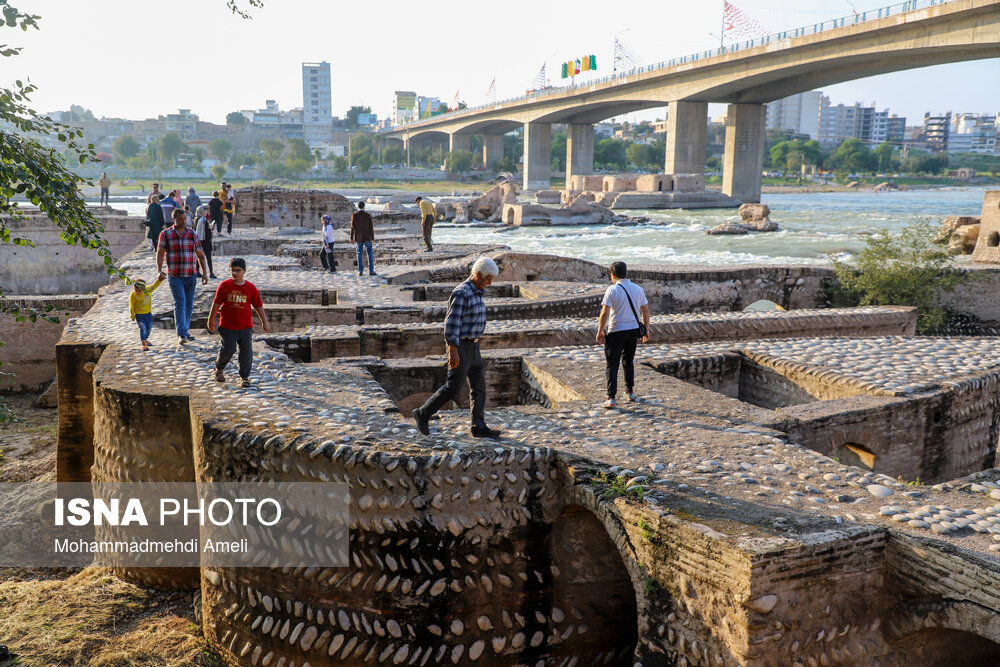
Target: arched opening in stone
(510, 215)
(659, 186)
(853, 454)
(993, 240)
(941, 646)
(592, 589)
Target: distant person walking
(168, 204)
(427, 217)
(363, 235)
(204, 231)
(154, 220)
(624, 302)
(105, 184)
(154, 192)
(140, 307)
(326, 254)
(229, 207)
(215, 211)
(180, 247)
(233, 300)
(463, 325)
(193, 201)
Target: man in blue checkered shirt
(463, 325)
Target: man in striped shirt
(463, 325)
(179, 246)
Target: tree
(459, 162)
(393, 154)
(340, 164)
(363, 162)
(273, 149)
(643, 156)
(295, 166)
(908, 269)
(170, 146)
(77, 114)
(125, 147)
(299, 150)
(220, 149)
(852, 155)
(557, 152)
(218, 172)
(351, 117)
(610, 153)
(235, 118)
(361, 143)
(789, 156)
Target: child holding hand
(140, 306)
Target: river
(812, 226)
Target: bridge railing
(854, 19)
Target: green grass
(615, 486)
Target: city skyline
(412, 51)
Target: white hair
(485, 266)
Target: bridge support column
(744, 157)
(687, 124)
(579, 150)
(458, 142)
(492, 149)
(537, 156)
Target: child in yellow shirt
(140, 307)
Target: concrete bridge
(909, 35)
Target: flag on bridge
(540, 79)
(625, 57)
(491, 92)
(738, 25)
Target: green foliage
(459, 162)
(920, 162)
(295, 166)
(220, 149)
(854, 156)
(907, 269)
(170, 146)
(885, 158)
(299, 150)
(125, 147)
(340, 163)
(351, 117)
(789, 156)
(615, 486)
(610, 153)
(558, 151)
(235, 118)
(275, 169)
(646, 156)
(218, 171)
(393, 154)
(273, 149)
(363, 162)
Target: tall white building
(317, 102)
(974, 133)
(798, 113)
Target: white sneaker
(632, 398)
(610, 404)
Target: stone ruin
(753, 218)
(801, 487)
(266, 206)
(987, 248)
(640, 191)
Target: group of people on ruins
(160, 206)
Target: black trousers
(231, 339)
(206, 247)
(470, 366)
(619, 347)
(326, 256)
(229, 225)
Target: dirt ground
(82, 618)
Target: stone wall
(264, 206)
(29, 350)
(988, 244)
(52, 266)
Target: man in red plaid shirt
(179, 245)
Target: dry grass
(93, 618)
(83, 618)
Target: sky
(140, 59)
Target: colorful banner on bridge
(574, 67)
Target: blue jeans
(145, 322)
(183, 291)
(362, 247)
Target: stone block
(988, 243)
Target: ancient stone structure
(641, 191)
(488, 205)
(753, 218)
(765, 503)
(265, 206)
(960, 232)
(988, 242)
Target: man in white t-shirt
(621, 335)
(326, 254)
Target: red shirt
(236, 301)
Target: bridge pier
(537, 156)
(492, 149)
(579, 150)
(744, 157)
(687, 125)
(458, 142)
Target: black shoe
(485, 432)
(422, 424)
(213, 276)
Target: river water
(812, 226)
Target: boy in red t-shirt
(233, 299)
